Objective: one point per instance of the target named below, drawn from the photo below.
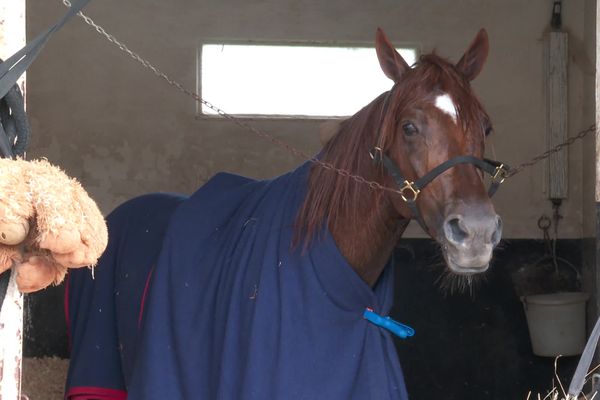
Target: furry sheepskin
(48, 223)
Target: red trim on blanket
(95, 393)
(66, 306)
(143, 302)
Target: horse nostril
(497, 234)
(455, 230)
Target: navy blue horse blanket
(206, 298)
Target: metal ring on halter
(409, 186)
(376, 153)
(500, 174)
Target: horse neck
(362, 221)
(367, 242)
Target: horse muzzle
(468, 241)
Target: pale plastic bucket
(556, 323)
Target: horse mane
(331, 195)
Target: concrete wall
(123, 132)
(588, 93)
(590, 271)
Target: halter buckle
(409, 186)
(500, 174)
(376, 154)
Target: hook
(556, 21)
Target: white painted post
(12, 38)
(11, 342)
(597, 192)
(557, 59)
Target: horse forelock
(330, 194)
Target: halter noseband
(409, 190)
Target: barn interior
(122, 131)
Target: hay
(558, 391)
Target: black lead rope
(14, 124)
(17, 64)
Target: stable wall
(590, 207)
(123, 132)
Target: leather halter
(409, 190)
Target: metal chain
(551, 151)
(298, 153)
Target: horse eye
(487, 129)
(409, 129)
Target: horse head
(432, 116)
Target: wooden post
(12, 38)
(556, 112)
(11, 339)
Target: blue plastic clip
(398, 329)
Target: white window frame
(202, 115)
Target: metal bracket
(500, 174)
(411, 187)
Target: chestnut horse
(276, 289)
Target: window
(296, 80)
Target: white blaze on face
(444, 102)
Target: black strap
(17, 64)
(434, 173)
(497, 170)
(417, 215)
(14, 124)
(410, 190)
(394, 171)
(403, 184)
(499, 175)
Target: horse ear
(472, 61)
(392, 63)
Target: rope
(374, 185)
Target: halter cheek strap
(409, 190)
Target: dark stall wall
(475, 345)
